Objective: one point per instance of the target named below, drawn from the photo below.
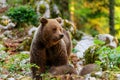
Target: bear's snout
(61, 35)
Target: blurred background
(90, 16)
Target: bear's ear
(59, 19)
(43, 20)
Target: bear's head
(52, 31)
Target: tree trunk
(111, 17)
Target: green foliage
(117, 19)
(2, 48)
(91, 16)
(47, 76)
(107, 58)
(117, 2)
(77, 35)
(90, 54)
(14, 64)
(99, 42)
(14, 2)
(75, 50)
(3, 57)
(2, 54)
(19, 63)
(23, 14)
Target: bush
(23, 14)
(107, 58)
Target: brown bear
(64, 69)
(51, 46)
(67, 69)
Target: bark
(111, 17)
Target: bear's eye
(54, 29)
(61, 30)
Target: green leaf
(96, 41)
(112, 56)
(75, 50)
(98, 62)
(118, 49)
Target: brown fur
(67, 69)
(64, 69)
(89, 69)
(49, 47)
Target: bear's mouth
(56, 39)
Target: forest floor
(14, 59)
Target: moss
(90, 55)
(77, 35)
(42, 8)
(67, 25)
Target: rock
(24, 52)
(83, 45)
(110, 40)
(55, 9)
(44, 7)
(118, 76)
(8, 34)
(3, 76)
(6, 23)
(5, 20)
(90, 54)
(3, 6)
(10, 79)
(9, 26)
(2, 36)
(69, 26)
(91, 78)
(31, 31)
(99, 73)
(25, 78)
(88, 41)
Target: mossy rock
(67, 24)
(42, 8)
(91, 54)
(77, 35)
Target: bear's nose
(61, 35)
